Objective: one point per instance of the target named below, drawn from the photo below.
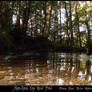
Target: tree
(26, 13)
(18, 13)
(77, 22)
(67, 22)
(44, 14)
(48, 18)
(70, 23)
(55, 20)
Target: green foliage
(41, 17)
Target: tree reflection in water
(52, 69)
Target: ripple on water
(1, 77)
(59, 69)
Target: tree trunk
(48, 18)
(77, 19)
(60, 24)
(55, 22)
(70, 24)
(35, 23)
(26, 13)
(88, 33)
(18, 14)
(44, 19)
(67, 24)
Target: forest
(46, 26)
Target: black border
(22, 88)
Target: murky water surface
(46, 69)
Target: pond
(46, 69)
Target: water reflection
(55, 69)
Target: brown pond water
(52, 69)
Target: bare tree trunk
(48, 18)
(26, 13)
(70, 23)
(44, 18)
(35, 24)
(60, 24)
(67, 24)
(55, 22)
(18, 13)
(88, 32)
(88, 36)
(77, 19)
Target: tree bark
(67, 23)
(26, 13)
(60, 24)
(88, 33)
(55, 22)
(70, 24)
(48, 18)
(77, 19)
(44, 18)
(18, 13)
